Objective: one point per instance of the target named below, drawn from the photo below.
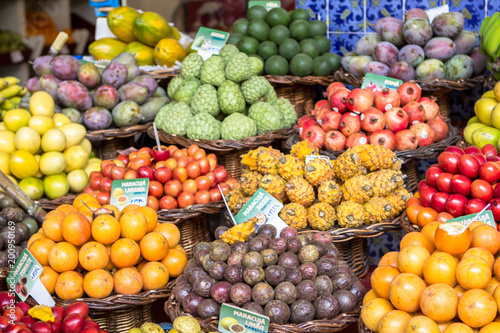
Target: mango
(115, 75)
(448, 24)
(440, 48)
(65, 67)
(89, 75)
(430, 69)
(460, 66)
(41, 65)
(106, 96)
(49, 83)
(417, 31)
(402, 70)
(130, 62)
(133, 91)
(412, 54)
(73, 94)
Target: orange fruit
(49, 279)
(412, 212)
(405, 290)
(40, 249)
(411, 259)
(34, 238)
(496, 267)
(393, 322)
(486, 236)
(492, 285)
(417, 238)
(52, 225)
(473, 274)
(154, 246)
(482, 253)
(171, 233)
(475, 224)
(180, 248)
(444, 216)
(155, 275)
(490, 328)
(150, 215)
(373, 311)
(460, 290)
(93, 255)
(114, 209)
(88, 212)
(130, 208)
(66, 209)
(134, 225)
(110, 265)
(63, 257)
(439, 302)
(84, 198)
(141, 264)
(369, 296)
(76, 229)
(69, 285)
(443, 326)
(413, 202)
(389, 259)
(381, 279)
(106, 229)
(127, 281)
(421, 324)
(425, 216)
(175, 262)
(440, 268)
(453, 238)
(476, 308)
(430, 229)
(98, 283)
(125, 252)
(458, 328)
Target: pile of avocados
(288, 43)
(19, 232)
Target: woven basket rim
(121, 132)
(337, 324)
(432, 85)
(407, 225)
(223, 145)
(422, 153)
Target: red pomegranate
(315, 135)
(350, 124)
(305, 118)
(431, 109)
(360, 100)
(384, 138)
(338, 100)
(415, 111)
(440, 128)
(372, 120)
(387, 99)
(355, 140)
(409, 92)
(330, 121)
(397, 119)
(332, 88)
(334, 140)
(406, 140)
(424, 133)
(320, 108)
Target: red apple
(472, 150)
(474, 206)
(432, 175)
(162, 155)
(123, 158)
(460, 184)
(438, 201)
(6, 298)
(58, 312)
(426, 196)
(215, 195)
(73, 323)
(455, 149)
(28, 320)
(220, 173)
(163, 174)
(41, 327)
(90, 323)
(495, 208)
(469, 166)
(422, 185)
(444, 182)
(14, 328)
(56, 326)
(117, 173)
(80, 308)
(490, 171)
(481, 189)
(455, 205)
(450, 162)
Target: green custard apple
(237, 127)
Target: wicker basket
(407, 225)
(337, 324)
(48, 204)
(362, 328)
(228, 152)
(193, 231)
(355, 253)
(122, 320)
(423, 153)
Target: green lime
(257, 12)
(300, 14)
(278, 34)
(248, 45)
(299, 30)
(276, 65)
(322, 66)
(289, 48)
(234, 38)
(318, 28)
(301, 65)
(309, 47)
(324, 44)
(278, 16)
(259, 30)
(240, 26)
(267, 49)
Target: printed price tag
(261, 205)
(266, 4)
(486, 217)
(312, 157)
(129, 191)
(233, 319)
(24, 280)
(209, 41)
(378, 82)
(433, 12)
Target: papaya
(174, 33)
(150, 28)
(168, 51)
(142, 53)
(106, 48)
(121, 23)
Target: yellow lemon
(27, 139)
(87, 145)
(78, 180)
(4, 163)
(23, 164)
(76, 158)
(16, 118)
(74, 133)
(7, 141)
(60, 119)
(41, 103)
(52, 163)
(33, 187)
(2, 126)
(41, 123)
(53, 140)
(92, 167)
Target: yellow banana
(3, 83)
(22, 92)
(15, 100)
(11, 80)
(11, 91)
(8, 105)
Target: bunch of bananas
(10, 41)
(10, 93)
(489, 41)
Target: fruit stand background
(349, 20)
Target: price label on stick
(436, 11)
(485, 216)
(378, 82)
(233, 319)
(266, 4)
(129, 191)
(209, 41)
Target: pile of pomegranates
(73, 319)
(463, 182)
(178, 178)
(399, 120)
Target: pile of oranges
(82, 252)
(444, 279)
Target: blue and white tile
(377, 9)
(343, 42)
(493, 7)
(315, 7)
(346, 15)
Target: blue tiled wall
(349, 19)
